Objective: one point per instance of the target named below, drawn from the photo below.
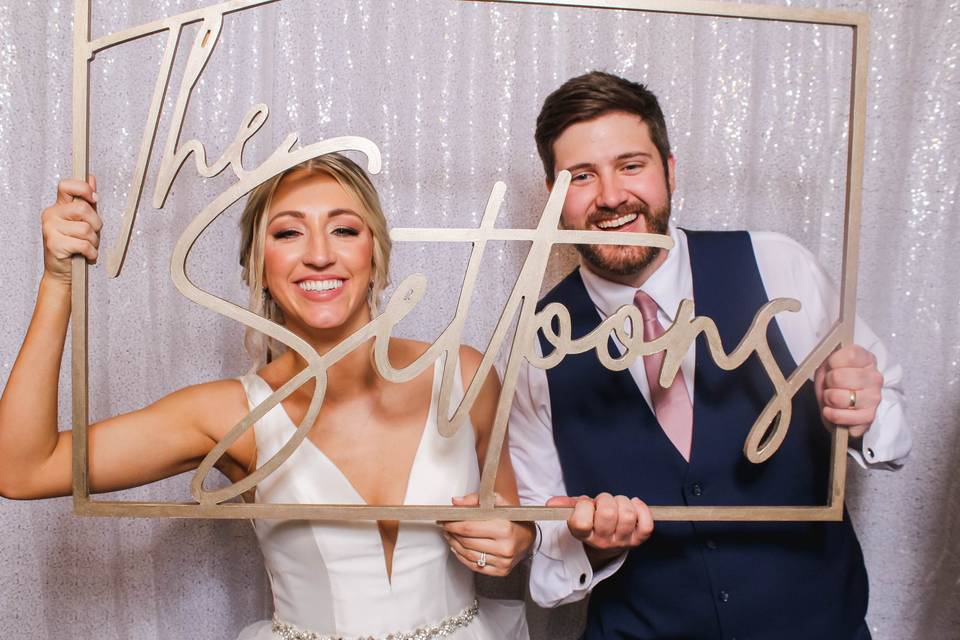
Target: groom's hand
(849, 389)
(607, 525)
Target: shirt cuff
(561, 572)
(887, 442)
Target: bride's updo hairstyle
(253, 228)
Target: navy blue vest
(708, 580)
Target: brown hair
(590, 96)
(253, 228)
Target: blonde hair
(253, 228)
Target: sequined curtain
(449, 90)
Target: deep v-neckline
(345, 480)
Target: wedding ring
(482, 560)
(853, 400)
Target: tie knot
(648, 308)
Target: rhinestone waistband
(438, 630)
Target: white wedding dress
(329, 579)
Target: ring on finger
(482, 560)
(853, 400)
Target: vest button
(696, 489)
(724, 596)
(711, 544)
(583, 578)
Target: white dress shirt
(560, 570)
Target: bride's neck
(353, 374)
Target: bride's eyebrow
(301, 215)
(293, 213)
(344, 212)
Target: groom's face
(617, 184)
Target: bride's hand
(70, 226)
(490, 547)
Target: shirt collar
(668, 285)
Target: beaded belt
(439, 630)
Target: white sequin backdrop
(450, 91)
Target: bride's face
(318, 254)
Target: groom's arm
(561, 570)
(789, 270)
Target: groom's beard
(624, 260)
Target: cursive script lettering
(553, 322)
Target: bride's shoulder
(211, 407)
(218, 397)
(223, 402)
(219, 406)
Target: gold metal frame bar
(239, 511)
(772, 13)
(78, 291)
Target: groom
(581, 430)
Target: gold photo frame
(764, 438)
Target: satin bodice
(331, 577)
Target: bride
(315, 254)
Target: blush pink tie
(671, 405)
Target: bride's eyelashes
(349, 232)
(284, 234)
(346, 231)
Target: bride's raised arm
(168, 437)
